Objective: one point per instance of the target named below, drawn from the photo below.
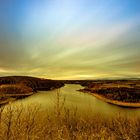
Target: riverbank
(8, 98)
(18, 87)
(123, 104)
(125, 93)
(114, 102)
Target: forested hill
(33, 82)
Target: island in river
(17, 87)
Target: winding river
(73, 99)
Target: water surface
(85, 104)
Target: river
(73, 99)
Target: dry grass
(11, 92)
(30, 123)
(14, 89)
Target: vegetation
(125, 91)
(11, 92)
(30, 123)
(120, 94)
(15, 89)
(20, 122)
(32, 82)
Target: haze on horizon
(70, 39)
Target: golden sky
(70, 39)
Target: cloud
(69, 40)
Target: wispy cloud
(70, 39)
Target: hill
(32, 82)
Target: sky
(70, 39)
